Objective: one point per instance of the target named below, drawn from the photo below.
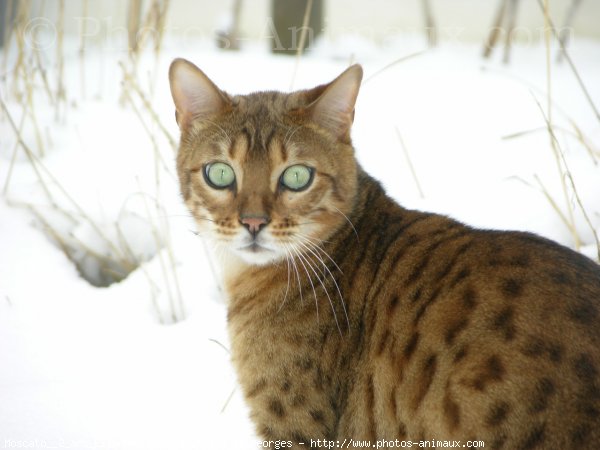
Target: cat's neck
(231, 266)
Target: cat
(351, 317)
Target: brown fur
(445, 332)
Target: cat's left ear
(334, 108)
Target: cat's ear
(194, 94)
(334, 108)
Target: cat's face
(268, 175)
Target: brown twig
(564, 31)
(134, 15)
(511, 20)
(430, 27)
(300, 49)
(494, 33)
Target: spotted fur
(373, 321)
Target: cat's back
(483, 335)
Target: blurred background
(377, 19)
(112, 317)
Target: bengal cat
(351, 317)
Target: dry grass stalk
(130, 82)
(56, 236)
(154, 25)
(28, 152)
(153, 287)
(492, 38)
(161, 20)
(556, 108)
(84, 215)
(174, 294)
(577, 134)
(229, 38)
(28, 99)
(430, 27)
(392, 64)
(36, 164)
(60, 57)
(7, 31)
(13, 157)
(172, 262)
(42, 72)
(143, 28)
(564, 33)
(211, 265)
(82, 35)
(157, 155)
(105, 263)
(580, 136)
(553, 142)
(511, 20)
(550, 25)
(134, 16)
(19, 31)
(300, 49)
(163, 266)
(555, 206)
(230, 396)
(569, 177)
(228, 400)
(409, 161)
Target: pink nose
(254, 224)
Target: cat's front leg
(289, 406)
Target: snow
(115, 367)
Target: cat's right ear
(334, 108)
(194, 94)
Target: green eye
(297, 178)
(219, 175)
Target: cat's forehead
(270, 104)
(260, 123)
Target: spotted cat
(352, 317)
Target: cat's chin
(257, 255)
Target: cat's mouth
(254, 247)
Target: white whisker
(300, 258)
(300, 255)
(308, 247)
(315, 244)
(287, 260)
(351, 224)
(295, 267)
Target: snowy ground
(88, 367)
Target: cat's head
(269, 175)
